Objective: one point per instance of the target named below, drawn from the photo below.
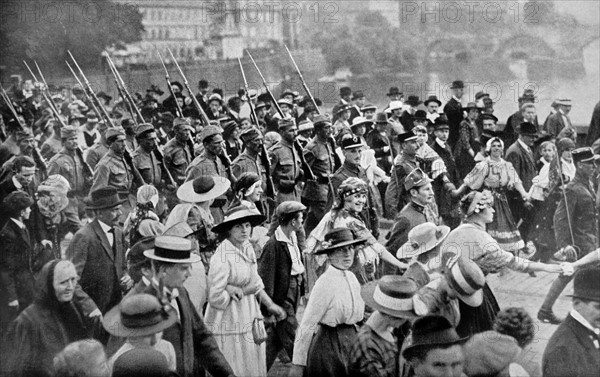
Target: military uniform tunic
(69, 165)
(113, 171)
(286, 171)
(95, 154)
(178, 157)
(148, 166)
(316, 194)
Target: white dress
(231, 321)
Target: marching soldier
(178, 153)
(210, 163)
(98, 150)
(319, 155)
(114, 171)
(70, 165)
(250, 160)
(286, 164)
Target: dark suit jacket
(555, 123)
(446, 204)
(523, 163)
(454, 113)
(571, 352)
(195, 345)
(99, 266)
(16, 272)
(407, 120)
(275, 270)
(512, 124)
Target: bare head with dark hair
(517, 323)
(82, 359)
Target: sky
(586, 11)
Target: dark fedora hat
(432, 99)
(471, 106)
(413, 101)
(103, 198)
(441, 122)
(527, 128)
(381, 118)
(394, 91)
(391, 295)
(430, 331)
(458, 84)
(420, 115)
(586, 285)
(338, 237)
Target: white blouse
(334, 300)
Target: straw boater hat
(172, 249)
(467, 280)
(422, 238)
(339, 237)
(203, 189)
(139, 315)
(237, 215)
(391, 295)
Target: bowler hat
(104, 197)
(345, 91)
(430, 331)
(458, 84)
(139, 315)
(381, 118)
(407, 136)
(238, 215)
(527, 128)
(420, 115)
(172, 249)
(432, 99)
(441, 123)
(467, 280)
(203, 189)
(339, 237)
(586, 285)
(423, 238)
(413, 101)
(394, 91)
(391, 295)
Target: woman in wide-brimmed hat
(346, 212)
(334, 309)
(196, 196)
(236, 293)
(141, 318)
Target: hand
(187, 101)
(567, 269)
(235, 293)
(278, 311)
(126, 283)
(296, 371)
(455, 193)
(14, 304)
(553, 268)
(96, 313)
(386, 149)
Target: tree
(44, 30)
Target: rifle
(264, 157)
(179, 111)
(37, 156)
(305, 166)
(87, 170)
(337, 161)
(123, 92)
(94, 108)
(197, 105)
(122, 95)
(126, 155)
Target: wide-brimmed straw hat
(139, 315)
(422, 238)
(467, 280)
(237, 215)
(203, 189)
(391, 295)
(339, 237)
(172, 249)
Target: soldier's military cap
(285, 123)
(179, 123)
(285, 101)
(305, 125)
(68, 132)
(114, 134)
(321, 120)
(351, 141)
(407, 136)
(209, 131)
(250, 134)
(416, 178)
(143, 130)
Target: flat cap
(209, 131)
(289, 206)
(114, 134)
(68, 132)
(144, 129)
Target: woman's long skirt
(479, 319)
(329, 351)
(503, 229)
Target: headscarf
(488, 145)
